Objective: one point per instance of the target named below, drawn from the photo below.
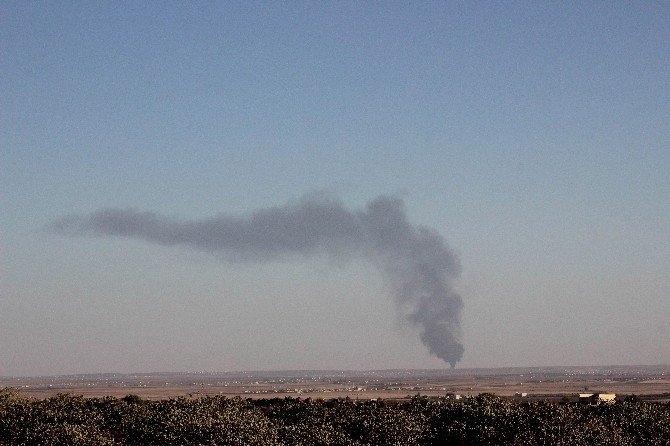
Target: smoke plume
(416, 262)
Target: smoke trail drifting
(415, 260)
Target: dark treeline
(483, 420)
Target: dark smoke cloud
(415, 260)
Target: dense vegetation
(483, 420)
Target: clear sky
(533, 136)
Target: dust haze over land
(415, 261)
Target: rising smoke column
(416, 262)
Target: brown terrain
(647, 382)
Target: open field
(648, 382)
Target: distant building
(520, 394)
(597, 397)
(606, 397)
(454, 396)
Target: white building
(597, 397)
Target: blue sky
(533, 136)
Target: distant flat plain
(648, 382)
